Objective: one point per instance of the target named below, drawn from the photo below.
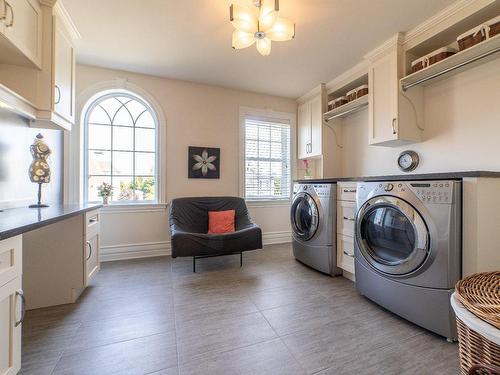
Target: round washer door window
(304, 216)
(392, 235)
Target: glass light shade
(269, 11)
(264, 46)
(242, 39)
(243, 18)
(281, 31)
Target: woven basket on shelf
(476, 303)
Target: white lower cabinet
(11, 316)
(346, 214)
(92, 245)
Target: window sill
(133, 208)
(267, 203)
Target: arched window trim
(73, 178)
(91, 105)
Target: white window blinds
(267, 160)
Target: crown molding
(387, 46)
(66, 19)
(311, 94)
(447, 17)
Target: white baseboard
(155, 249)
(271, 238)
(134, 251)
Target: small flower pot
(105, 199)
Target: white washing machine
(313, 219)
(408, 249)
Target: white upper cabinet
(21, 32)
(43, 92)
(304, 130)
(64, 74)
(394, 117)
(310, 123)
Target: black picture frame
(200, 166)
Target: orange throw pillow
(220, 221)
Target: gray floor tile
(214, 334)
(271, 357)
(139, 356)
(143, 316)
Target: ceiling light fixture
(259, 25)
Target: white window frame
(91, 107)
(271, 116)
(74, 147)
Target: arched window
(121, 133)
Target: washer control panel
(439, 192)
(433, 191)
(322, 190)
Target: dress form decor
(39, 169)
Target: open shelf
(473, 56)
(346, 109)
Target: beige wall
(196, 115)
(462, 129)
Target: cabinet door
(316, 126)
(383, 120)
(92, 263)
(23, 27)
(304, 130)
(11, 306)
(64, 74)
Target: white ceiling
(191, 39)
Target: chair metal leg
(194, 264)
(241, 259)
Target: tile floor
(273, 316)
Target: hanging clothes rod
(345, 112)
(450, 69)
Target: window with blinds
(267, 160)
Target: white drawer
(346, 191)
(345, 253)
(11, 258)
(92, 223)
(346, 213)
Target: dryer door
(392, 236)
(304, 216)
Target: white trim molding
(135, 251)
(154, 249)
(73, 141)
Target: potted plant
(105, 191)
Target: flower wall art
(203, 162)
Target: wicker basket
(479, 339)
(480, 294)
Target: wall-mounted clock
(408, 161)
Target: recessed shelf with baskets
(473, 56)
(346, 109)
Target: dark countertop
(15, 221)
(409, 177)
